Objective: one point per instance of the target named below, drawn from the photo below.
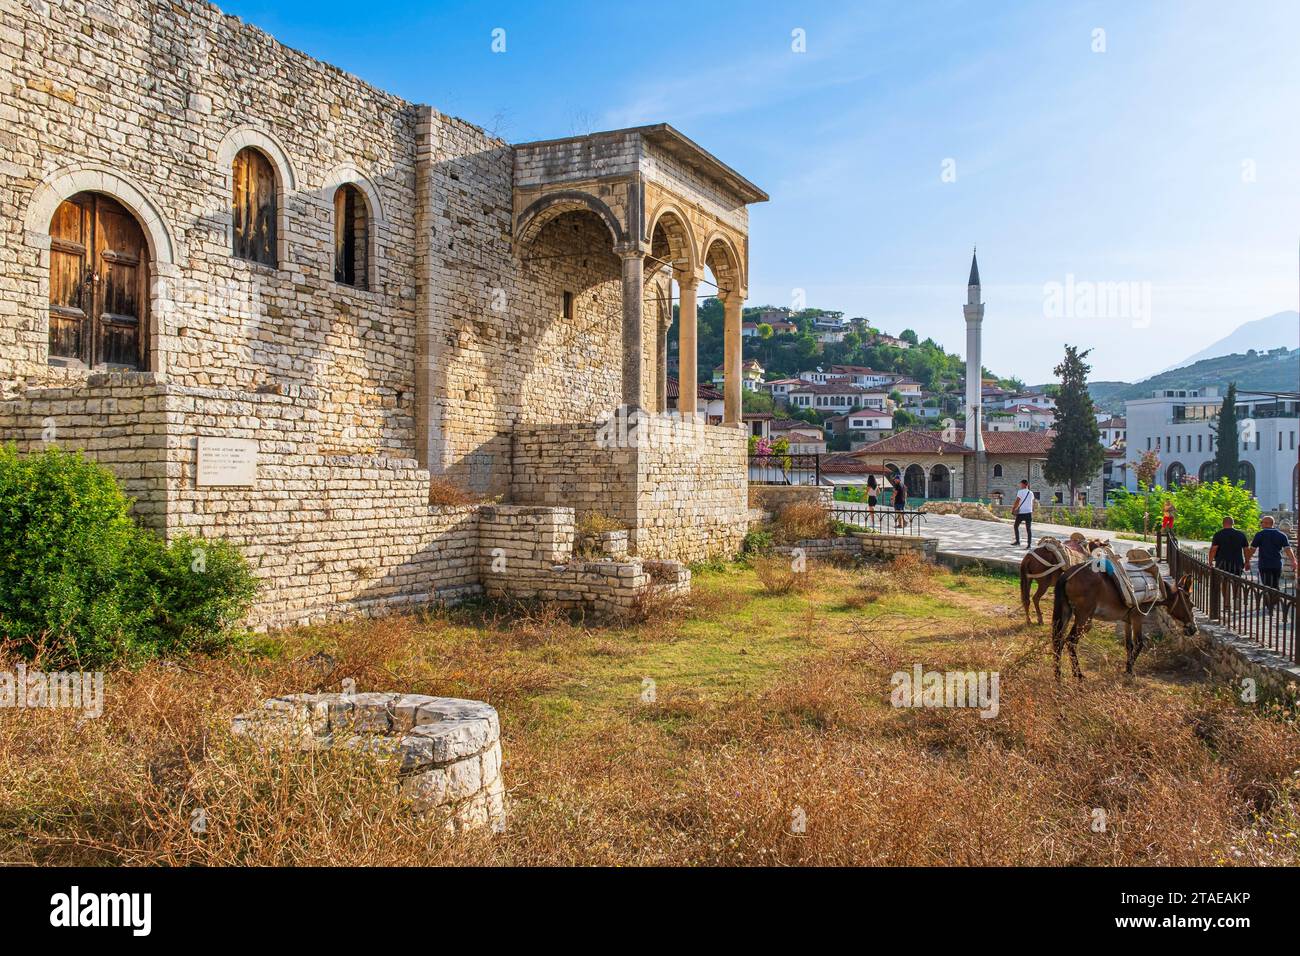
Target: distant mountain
(1260, 335)
(1276, 371)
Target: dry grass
(766, 705)
(448, 494)
(802, 521)
(776, 573)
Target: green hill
(1275, 371)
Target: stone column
(687, 353)
(633, 309)
(731, 364)
(661, 361)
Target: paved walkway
(990, 541)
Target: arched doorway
(914, 481)
(99, 285)
(940, 482)
(1246, 475)
(1175, 474)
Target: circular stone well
(450, 749)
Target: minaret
(974, 310)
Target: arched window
(1246, 475)
(254, 207)
(351, 237)
(1175, 474)
(1206, 471)
(997, 471)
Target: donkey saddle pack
(1138, 577)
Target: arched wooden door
(99, 285)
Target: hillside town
(879, 419)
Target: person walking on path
(1228, 554)
(1023, 509)
(1270, 544)
(900, 500)
(872, 489)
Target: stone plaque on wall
(226, 463)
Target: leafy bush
(82, 585)
(1199, 508)
(195, 591)
(756, 542)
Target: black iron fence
(1253, 611)
(878, 520)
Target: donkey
(1043, 566)
(1083, 593)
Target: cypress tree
(1076, 455)
(1227, 454)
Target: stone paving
(990, 541)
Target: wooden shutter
(254, 208)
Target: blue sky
(1169, 162)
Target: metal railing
(880, 520)
(804, 469)
(1259, 614)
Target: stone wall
(680, 489)
(691, 485)
(851, 546)
(457, 339)
(526, 553)
(328, 535)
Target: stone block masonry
(679, 488)
(327, 535)
(488, 314)
(527, 553)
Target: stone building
(215, 245)
(936, 466)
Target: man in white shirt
(1023, 508)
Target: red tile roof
(702, 390)
(916, 442)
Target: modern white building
(1178, 424)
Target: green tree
(1076, 454)
(1227, 456)
(908, 336)
(764, 330)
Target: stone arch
(722, 257)
(243, 136)
(553, 205)
(101, 179)
(347, 174)
(286, 180)
(680, 237)
(940, 482)
(914, 480)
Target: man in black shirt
(1228, 553)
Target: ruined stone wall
(527, 553)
